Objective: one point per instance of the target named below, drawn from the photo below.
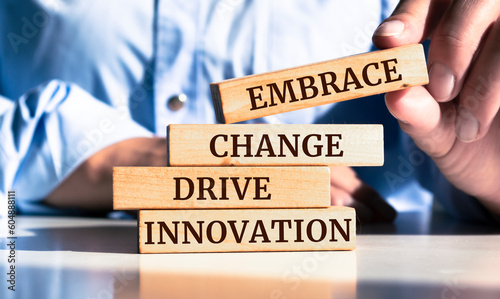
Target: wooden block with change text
(220, 187)
(278, 145)
(321, 83)
(167, 231)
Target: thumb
(412, 22)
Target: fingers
(348, 189)
(382, 211)
(480, 96)
(429, 123)
(462, 99)
(340, 197)
(458, 29)
(344, 177)
(454, 43)
(411, 22)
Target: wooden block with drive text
(220, 187)
(168, 231)
(278, 145)
(317, 84)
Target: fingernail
(390, 28)
(441, 82)
(467, 126)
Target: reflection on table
(419, 256)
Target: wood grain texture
(229, 187)
(321, 83)
(277, 145)
(169, 231)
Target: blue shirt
(78, 76)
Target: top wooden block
(317, 84)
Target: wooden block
(220, 187)
(219, 145)
(165, 231)
(321, 83)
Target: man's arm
(90, 186)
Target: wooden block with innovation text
(220, 187)
(277, 145)
(317, 84)
(168, 231)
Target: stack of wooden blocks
(264, 187)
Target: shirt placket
(175, 63)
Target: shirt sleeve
(47, 133)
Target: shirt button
(176, 102)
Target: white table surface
(419, 256)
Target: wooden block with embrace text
(220, 187)
(214, 145)
(165, 231)
(321, 83)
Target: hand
(90, 186)
(346, 189)
(455, 118)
